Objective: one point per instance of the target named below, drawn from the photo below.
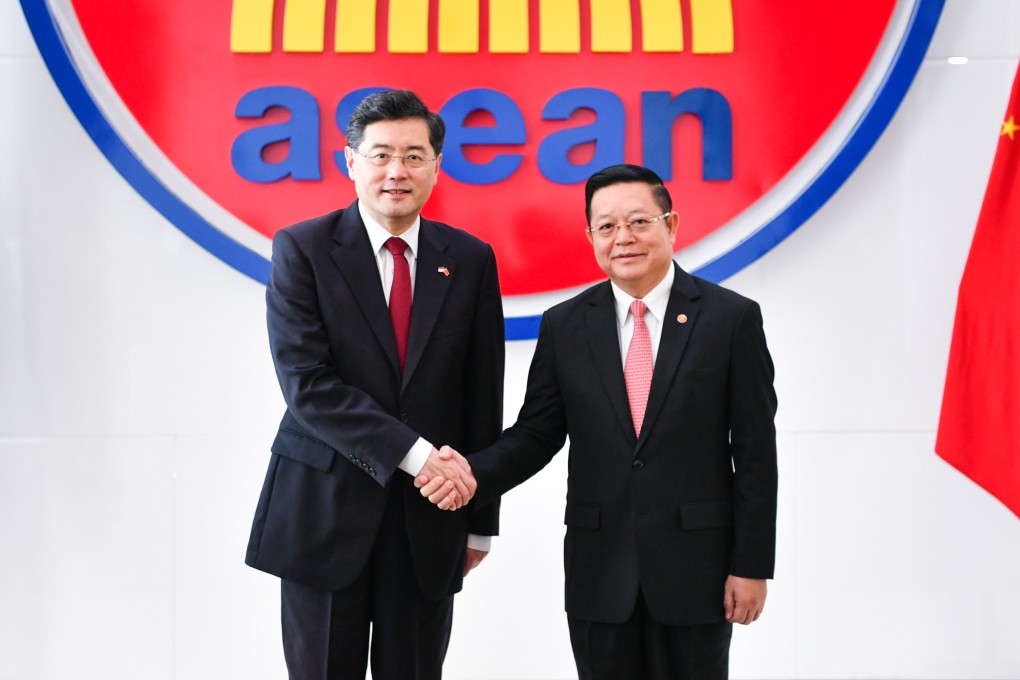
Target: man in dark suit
(387, 335)
(663, 383)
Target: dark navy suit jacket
(351, 416)
(692, 499)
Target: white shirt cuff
(416, 458)
(476, 542)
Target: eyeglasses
(636, 226)
(412, 160)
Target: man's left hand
(744, 599)
(474, 558)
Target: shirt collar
(377, 234)
(656, 300)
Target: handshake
(446, 479)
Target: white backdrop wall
(138, 402)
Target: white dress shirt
(378, 236)
(656, 300)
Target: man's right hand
(446, 479)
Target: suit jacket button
(403, 417)
(637, 464)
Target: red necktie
(400, 296)
(637, 370)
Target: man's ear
(673, 222)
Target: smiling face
(634, 262)
(393, 194)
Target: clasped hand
(446, 479)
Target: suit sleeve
(483, 386)
(537, 436)
(346, 418)
(753, 447)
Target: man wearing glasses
(663, 382)
(387, 335)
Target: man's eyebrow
(390, 147)
(630, 214)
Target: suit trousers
(644, 649)
(326, 634)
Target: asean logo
(229, 116)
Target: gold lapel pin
(682, 318)
(444, 271)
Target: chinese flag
(979, 428)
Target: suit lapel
(604, 340)
(431, 284)
(672, 343)
(356, 262)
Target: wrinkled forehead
(623, 201)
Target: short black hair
(394, 105)
(625, 174)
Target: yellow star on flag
(1009, 127)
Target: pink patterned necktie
(400, 296)
(637, 369)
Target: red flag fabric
(979, 427)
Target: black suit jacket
(351, 417)
(690, 501)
